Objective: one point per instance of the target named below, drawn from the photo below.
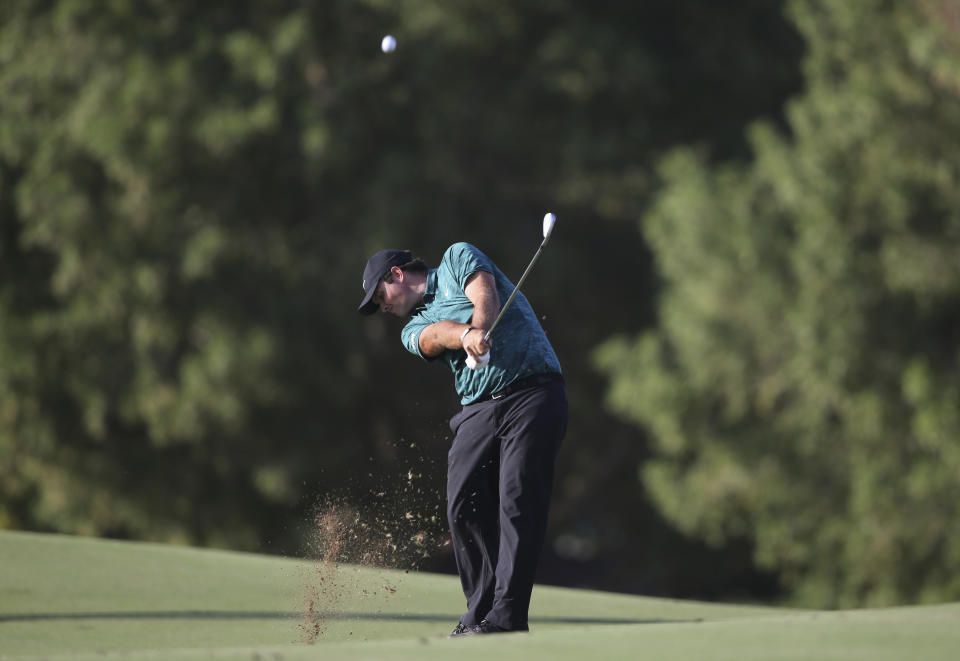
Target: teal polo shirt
(519, 346)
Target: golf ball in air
(389, 44)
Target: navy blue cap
(377, 267)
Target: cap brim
(367, 306)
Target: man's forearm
(437, 338)
(481, 289)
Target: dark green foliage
(802, 385)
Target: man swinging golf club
(507, 435)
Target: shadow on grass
(279, 615)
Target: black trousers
(499, 480)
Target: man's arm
(436, 338)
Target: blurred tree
(150, 267)
(802, 385)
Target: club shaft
(489, 333)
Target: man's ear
(397, 273)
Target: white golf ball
(389, 44)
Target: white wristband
(464, 333)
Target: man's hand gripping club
(481, 289)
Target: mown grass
(76, 598)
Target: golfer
(507, 435)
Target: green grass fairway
(77, 598)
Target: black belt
(523, 384)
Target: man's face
(393, 295)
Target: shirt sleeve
(464, 260)
(410, 336)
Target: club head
(548, 222)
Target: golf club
(483, 359)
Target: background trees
(188, 195)
(801, 386)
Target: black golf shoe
(485, 627)
(461, 630)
